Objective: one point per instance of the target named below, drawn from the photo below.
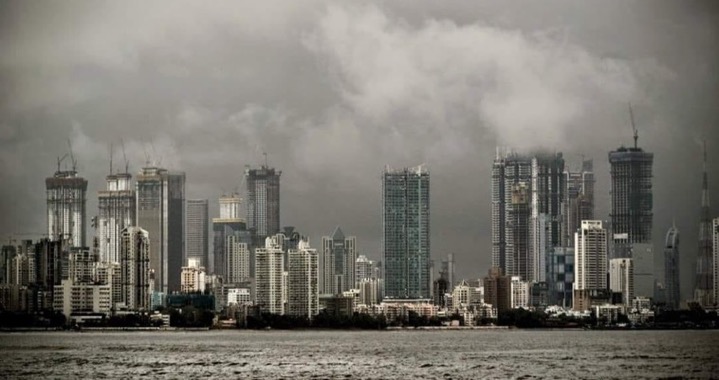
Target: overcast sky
(335, 91)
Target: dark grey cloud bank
(335, 91)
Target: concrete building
(448, 268)
(196, 231)
(364, 269)
(269, 277)
(519, 293)
(578, 200)
(136, 273)
(671, 269)
(263, 203)
(338, 262)
(370, 291)
(160, 211)
(229, 224)
(303, 281)
(117, 211)
(82, 264)
(527, 196)
(239, 296)
(73, 298)
(590, 261)
(406, 235)
(497, 290)
(464, 296)
(237, 259)
(704, 278)
(561, 276)
(621, 279)
(66, 198)
(111, 274)
(192, 279)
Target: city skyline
(317, 141)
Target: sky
(335, 91)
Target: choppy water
(361, 354)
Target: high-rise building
(196, 231)
(578, 200)
(527, 212)
(116, 212)
(632, 199)
(160, 211)
(364, 269)
(269, 277)
(449, 269)
(337, 262)
(192, 278)
(498, 289)
(519, 293)
(704, 281)
(715, 259)
(237, 259)
(621, 279)
(228, 224)
(302, 281)
(136, 272)
(590, 261)
(406, 237)
(66, 207)
(561, 276)
(263, 202)
(671, 269)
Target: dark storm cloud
(333, 92)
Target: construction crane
(72, 156)
(124, 157)
(634, 127)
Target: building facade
(237, 259)
(269, 277)
(671, 269)
(116, 212)
(196, 231)
(160, 211)
(578, 200)
(338, 263)
(303, 281)
(406, 235)
(66, 198)
(192, 279)
(632, 196)
(621, 279)
(135, 271)
(229, 224)
(704, 279)
(263, 202)
(590, 261)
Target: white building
(110, 274)
(238, 296)
(192, 278)
(464, 295)
(237, 260)
(135, 269)
(621, 279)
(363, 269)
(82, 298)
(519, 293)
(269, 273)
(369, 291)
(302, 282)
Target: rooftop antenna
(265, 154)
(127, 164)
(72, 156)
(634, 128)
(110, 158)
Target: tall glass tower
(263, 203)
(116, 212)
(160, 211)
(66, 207)
(704, 282)
(405, 227)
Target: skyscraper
(527, 212)
(263, 202)
(671, 268)
(590, 261)
(578, 200)
(715, 261)
(621, 279)
(337, 262)
(228, 224)
(269, 275)
(302, 281)
(405, 227)
(66, 207)
(196, 231)
(237, 259)
(448, 269)
(632, 199)
(363, 269)
(117, 212)
(160, 209)
(704, 282)
(136, 273)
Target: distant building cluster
(153, 248)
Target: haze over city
(334, 92)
